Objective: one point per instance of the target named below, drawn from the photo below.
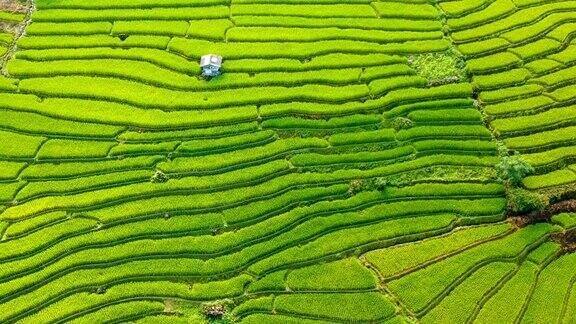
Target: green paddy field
(358, 161)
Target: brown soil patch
(566, 239)
(12, 5)
(544, 216)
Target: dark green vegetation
(356, 162)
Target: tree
(513, 169)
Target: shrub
(214, 311)
(513, 169)
(159, 177)
(522, 201)
(359, 185)
(439, 68)
(401, 123)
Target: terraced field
(522, 55)
(341, 169)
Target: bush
(522, 201)
(159, 177)
(368, 185)
(439, 68)
(513, 169)
(214, 311)
(401, 123)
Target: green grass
(351, 307)
(549, 293)
(394, 260)
(501, 307)
(440, 275)
(63, 149)
(11, 16)
(438, 67)
(461, 302)
(341, 169)
(19, 145)
(340, 275)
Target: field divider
(383, 287)
(19, 32)
(490, 293)
(446, 256)
(192, 87)
(479, 7)
(538, 129)
(161, 235)
(564, 44)
(326, 318)
(18, 317)
(202, 106)
(500, 32)
(566, 301)
(519, 258)
(363, 248)
(126, 319)
(58, 136)
(476, 11)
(178, 192)
(183, 153)
(541, 267)
(79, 191)
(232, 227)
(407, 237)
(145, 278)
(546, 147)
(242, 165)
(149, 167)
(205, 256)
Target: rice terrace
(288, 161)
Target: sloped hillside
(341, 169)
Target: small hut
(211, 64)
